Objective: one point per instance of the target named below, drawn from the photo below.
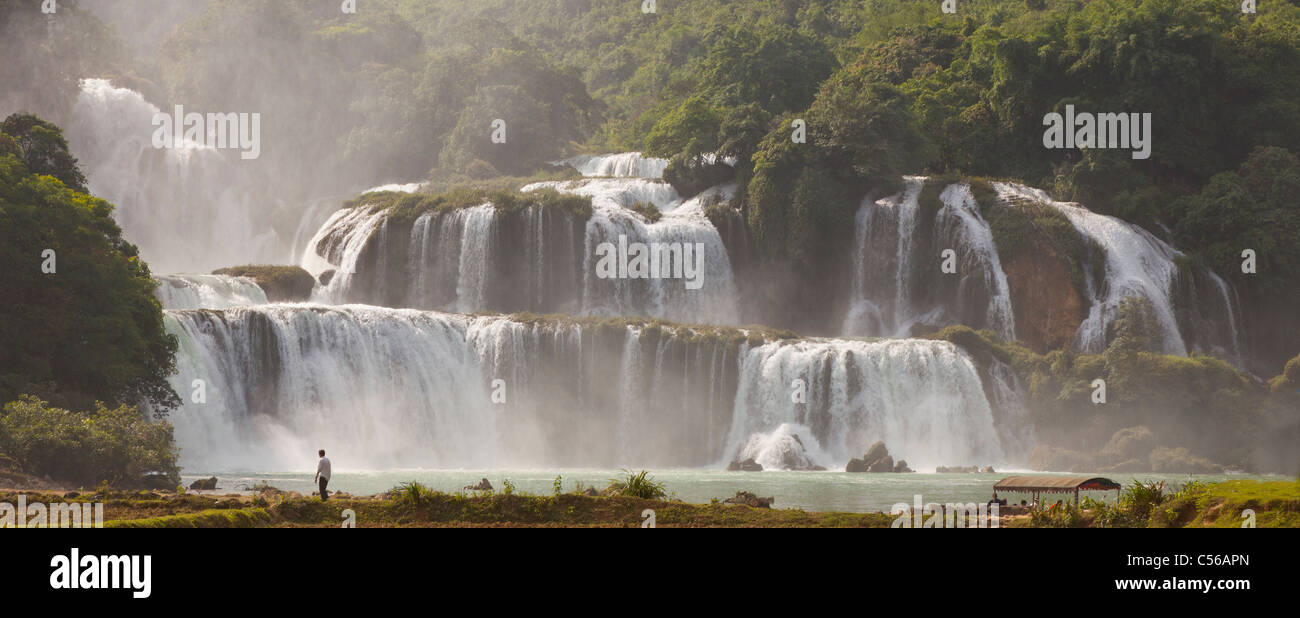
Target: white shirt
(323, 468)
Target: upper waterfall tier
(532, 259)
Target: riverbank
(1273, 504)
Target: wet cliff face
(1048, 307)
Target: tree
(43, 150)
(78, 320)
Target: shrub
(118, 445)
(638, 485)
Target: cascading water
(398, 388)
(1139, 264)
(188, 209)
(897, 282)
(207, 291)
(535, 259)
(682, 224)
(923, 398)
(619, 165)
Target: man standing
(323, 474)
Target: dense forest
(881, 88)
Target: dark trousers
(324, 495)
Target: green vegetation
(280, 283)
(648, 211)
(638, 485)
(213, 518)
(1025, 229)
(408, 206)
(1200, 407)
(1276, 504)
(78, 319)
(119, 446)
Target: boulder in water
(884, 464)
(748, 465)
(204, 484)
(281, 283)
(877, 459)
(483, 485)
(326, 277)
(877, 451)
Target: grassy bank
(1276, 504)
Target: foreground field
(1274, 504)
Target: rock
(876, 452)
(748, 499)
(884, 464)
(483, 485)
(748, 465)
(781, 449)
(326, 277)
(877, 459)
(590, 491)
(204, 484)
(280, 283)
(988, 470)
(1047, 305)
(157, 481)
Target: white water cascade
(682, 223)
(618, 165)
(1137, 264)
(539, 260)
(897, 283)
(923, 398)
(385, 388)
(190, 209)
(207, 292)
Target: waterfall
(682, 223)
(389, 388)
(1139, 264)
(923, 398)
(897, 283)
(619, 165)
(207, 291)
(191, 209)
(535, 259)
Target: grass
(1276, 504)
(638, 485)
(1195, 505)
(213, 518)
